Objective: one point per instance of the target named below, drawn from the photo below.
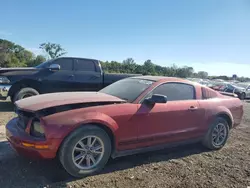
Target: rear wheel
(85, 151)
(217, 134)
(24, 93)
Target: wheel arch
(109, 132)
(227, 117)
(102, 126)
(22, 84)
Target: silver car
(246, 88)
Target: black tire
(12, 98)
(208, 139)
(66, 150)
(242, 96)
(24, 93)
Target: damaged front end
(31, 122)
(67, 107)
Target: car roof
(160, 78)
(71, 57)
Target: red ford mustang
(85, 129)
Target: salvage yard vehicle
(132, 115)
(245, 87)
(242, 91)
(56, 75)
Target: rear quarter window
(208, 93)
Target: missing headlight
(37, 129)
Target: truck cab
(56, 75)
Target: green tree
(149, 67)
(5, 51)
(129, 65)
(185, 72)
(52, 49)
(36, 61)
(3, 56)
(172, 71)
(13, 55)
(202, 74)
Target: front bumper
(4, 90)
(24, 144)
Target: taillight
(36, 129)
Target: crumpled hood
(40, 102)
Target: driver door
(176, 120)
(61, 80)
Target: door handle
(192, 108)
(71, 76)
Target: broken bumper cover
(4, 90)
(28, 146)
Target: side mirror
(54, 67)
(156, 99)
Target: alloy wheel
(88, 152)
(219, 134)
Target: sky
(209, 35)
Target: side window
(84, 65)
(65, 64)
(230, 88)
(208, 93)
(176, 91)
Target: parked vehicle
(245, 88)
(204, 82)
(56, 75)
(133, 115)
(241, 90)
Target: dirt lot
(189, 166)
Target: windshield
(128, 89)
(43, 65)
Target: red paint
(133, 125)
(53, 99)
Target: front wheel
(242, 96)
(217, 134)
(24, 93)
(85, 151)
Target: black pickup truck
(56, 75)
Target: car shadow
(6, 106)
(31, 173)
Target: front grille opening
(23, 118)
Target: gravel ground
(188, 166)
